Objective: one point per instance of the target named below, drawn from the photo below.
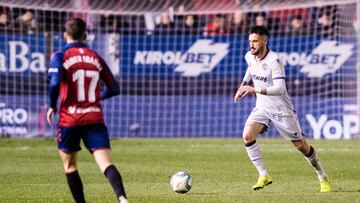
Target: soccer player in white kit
(274, 105)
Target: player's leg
(255, 125)
(103, 160)
(96, 139)
(311, 157)
(289, 127)
(72, 175)
(252, 148)
(69, 144)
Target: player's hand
(238, 95)
(50, 113)
(243, 91)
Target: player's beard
(254, 52)
(258, 51)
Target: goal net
(180, 62)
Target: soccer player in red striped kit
(75, 73)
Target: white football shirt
(262, 73)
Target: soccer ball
(181, 182)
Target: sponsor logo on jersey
(264, 66)
(327, 58)
(77, 110)
(202, 57)
(261, 78)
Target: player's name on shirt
(82, 59)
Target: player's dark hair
(76, 28)
(260, 30)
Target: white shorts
(287, 125)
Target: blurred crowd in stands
(325, 21)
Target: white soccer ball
(181, 182)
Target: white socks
(314, 161)
(254, 153)
(122, 199)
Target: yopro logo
(326, 58)
(201, 57)
(334, 129)
(13, 120)
(13, 116)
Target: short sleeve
(246, 57)
(247, 76)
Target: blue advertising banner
(22, 54)
(191, 56)
(184, 116)
(182, 86)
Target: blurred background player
(273, 105)
(75, 73)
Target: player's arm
(112, 87)
(54, 86)
(278, 87)
(245, 83)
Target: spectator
(287, 14)
(27, 23)
(51, 21)
(216, 27)
(271, 24)
(325, 23)
(165, 26)
(296, 25)
(181, 9)
(189, 26)
(237, 22)
(109, 23)
(179, 16)
(260, 20)
(5, 24)
(136, 24)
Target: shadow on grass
(345, 190)
(201, 193)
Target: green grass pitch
(31, 171)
